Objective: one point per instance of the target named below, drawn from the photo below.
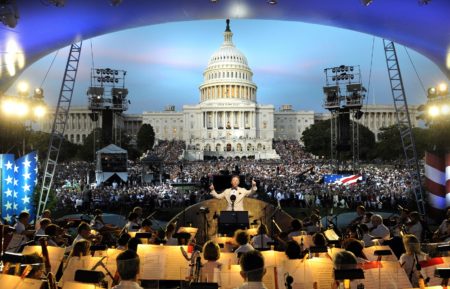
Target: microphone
(233, 199)
(288, 280)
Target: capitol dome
(228, 75)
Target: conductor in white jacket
(234, 195)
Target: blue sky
(165, 62)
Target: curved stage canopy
(257, 210)
(43, 28)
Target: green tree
(145, 137)
(389, 146)
(317, 140)
(87, 150)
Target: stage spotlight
(445, 109)
(21, 109)
(38, 93)
(8, 106)
(39, 111)
(366, 2)
(433, 111)
(431, 92)
(272, 2)
(443, 88)
(213, 1)
(424, 2)
(23, 88)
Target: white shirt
(381, 231)
(244, 248)
(124, 284)
(240, 194)
(252, 285)
(416, 230)
(258, 239)
(408, 262)
(19, 227)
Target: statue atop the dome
(228, 26)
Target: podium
(230, 221)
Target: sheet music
(270, 278)
(230, 277)
(28, 283)
(388, 275)
(9, 281)
(155, 265)
(296, 269)
(228, 259)
(14, 243)
(56, 255)
(76, 263)
(274, 258)
(15, 282)
(78, 285)
(319, 270)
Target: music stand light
(143, 235)
(443, 273)
(348, 274)
(88, 276)
(9, 257)
(443, 248)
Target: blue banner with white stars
(7, 186)
(19, 178)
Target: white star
(9, 165)
(8, 206)
(35, 181)
(26, 200)
(14, 206)
(16, 182)
(9, 180)
(26, 188)
(36, 169)
(8, 193)
(26, 210)
(36, 157)
(15, 194)
(26, 176)
(8, 218)
(26, 163)
(16, 169)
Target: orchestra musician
(379, 230)
(234, 195)
(360, 212)
(442, 233)
(22, 225)
(128, 263)
(84, 233)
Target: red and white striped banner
(437, 180)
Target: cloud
(167, 56)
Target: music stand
(89, 276)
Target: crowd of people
(294, 180)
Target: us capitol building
(228, 121)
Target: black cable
(415, 70)
(48, 70)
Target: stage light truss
(107, 90)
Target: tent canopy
(112, 149)
(43, 28)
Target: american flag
(437, 182)
(7, 186)
(19, 178)
(342, 179)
